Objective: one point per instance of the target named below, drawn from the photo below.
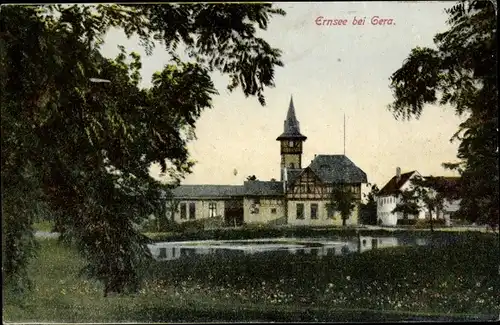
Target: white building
(388, 198)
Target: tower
(291, 141)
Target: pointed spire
(291, 125)
(291, 119)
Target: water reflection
(322, 248)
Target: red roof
(394, 184)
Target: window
(192, 210)
(212, 207)
(292, 165)
(183, 210)
(291, 143)
(314, 211)
(273, 210)
(300, 211)
(309, 189)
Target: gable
(306, 176)
(394, 185)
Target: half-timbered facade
(301, 197)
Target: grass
(454, 282)
(43, 225)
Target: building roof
(263, 188)
(291, 129)
(337, 169)
(207, 191)
(394, 185)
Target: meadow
(456, 281)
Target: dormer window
(291, 143)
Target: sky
(330, 71)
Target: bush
(406, 222)
(460, 222)
(426, 223)
(368, 215)
(162, 225)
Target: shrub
(406, 222)
(426, 223)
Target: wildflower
(348, 278)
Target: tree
(82, 150)
(429, 191)
(369, 208)
(251, 178)
(407, 203)
(461, 72)
(342, 199)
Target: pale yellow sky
(331, 71)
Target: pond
(321, 247)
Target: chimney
(398, 174)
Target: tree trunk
(430, 221)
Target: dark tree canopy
(80, 151)
(368, 210)
(342, 200)
(407, 204)
(461, 72)
(251, 178)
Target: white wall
(385, 205)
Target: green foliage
(421, 224)
(461, 72)
(368, 210)
(82, 150)
(429, 191)
(406, 222)
(407, 204)
(342, 199)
